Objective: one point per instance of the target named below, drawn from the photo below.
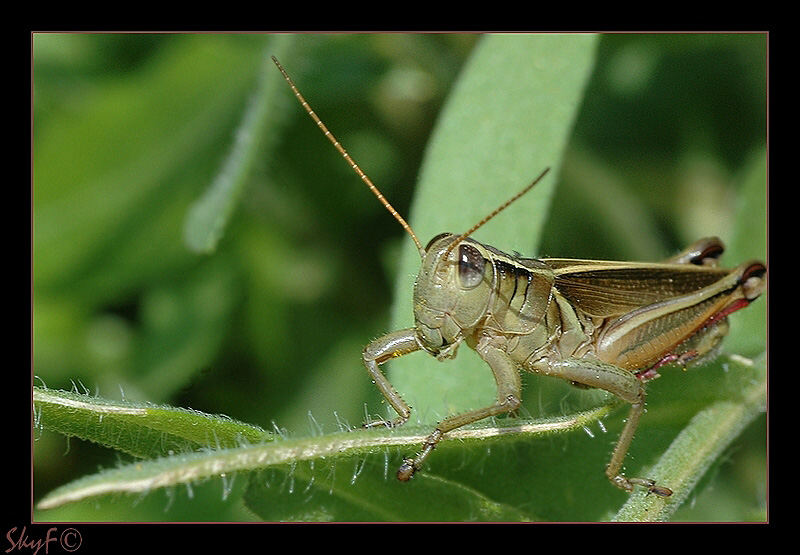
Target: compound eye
(470, 266)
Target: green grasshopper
(595, 323)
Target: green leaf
(508, 118)
(704, 439)
(131, 428)
(139, 429)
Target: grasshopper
(595, 323)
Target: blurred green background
(131, 129)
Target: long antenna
(493, 214)
(350, 161)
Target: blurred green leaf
(209, 215)
(111, 177)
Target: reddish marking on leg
(733, 307)
(647, 375)
(652, 372)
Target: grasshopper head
(451, 292)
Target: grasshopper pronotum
(598, 324)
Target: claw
(406, 470)
(659, 491)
